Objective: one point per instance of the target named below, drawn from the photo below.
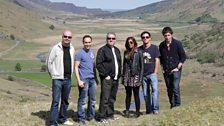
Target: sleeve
(50, 60)
(100, 63)
(78, 56)
(141, 60)
(181, 53)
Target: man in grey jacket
(60, 65)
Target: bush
(43, 68)
(18, 67)
(11, 78)
(12, 37)
(52, 27)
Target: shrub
(43, 68)
(18, 67)
(12, 37)
(11, 78)
(51, 27)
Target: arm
(156, 65)
(100, 63)
(95, 73)
(182, 55)
(50, 61)
(81, 83)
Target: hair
(145, 32)
(86, 36)
(167, 30)
(128, 49)
(110, 33)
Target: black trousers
(136, 97)
(107, 98)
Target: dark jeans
(107, 97)
(90, 91)
(60, 89)
(136, 97)
(172, 81)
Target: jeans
(172, 81)
(90, 90)
(107, 97)
(60, 89)
(151, 97)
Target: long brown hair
(130, 51)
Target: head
(146, 37)
(167, 34)
(87, 41)
(66, 38)
(130, 46)
(130, 43)
(111, 38)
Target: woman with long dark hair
(132, 73)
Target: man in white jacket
(60, 67)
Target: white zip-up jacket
(55, 63)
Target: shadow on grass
(44, 115)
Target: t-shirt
(149, 55)
(67, 62)
(86, 58)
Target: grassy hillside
(20, 22)
(177, 11)
(207, 47)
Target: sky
(109, 4)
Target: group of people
(139, 69)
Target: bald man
(60, 67)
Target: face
(87, 43)
(111, 39)
(130, 43)
(66, 38)
(145, 38)
(168, 37)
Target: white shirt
(116, 64)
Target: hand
(108, 77)
(179, 65)
(175, 70)
(81, 84)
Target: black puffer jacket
(105, 61)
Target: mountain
(176, 10)
(45, 6)
(20, 22)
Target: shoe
(103, 121)
(89, 118)
(137, 114)
(126, 114)
(114, 118)
(68, 123)
(81, 123)
(156, 113)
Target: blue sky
(109, 4)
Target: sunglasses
(111, 38)
(130, 42)
(69, 37)
(145, 37)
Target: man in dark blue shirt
(171, 59)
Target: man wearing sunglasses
(60, 67)
(108, 64)
(150, 79)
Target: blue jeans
(90, 90)
(60, 89)
(172, 81)
(151, 97)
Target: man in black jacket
(172, 59)
(108, 64)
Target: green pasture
(26, 65)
